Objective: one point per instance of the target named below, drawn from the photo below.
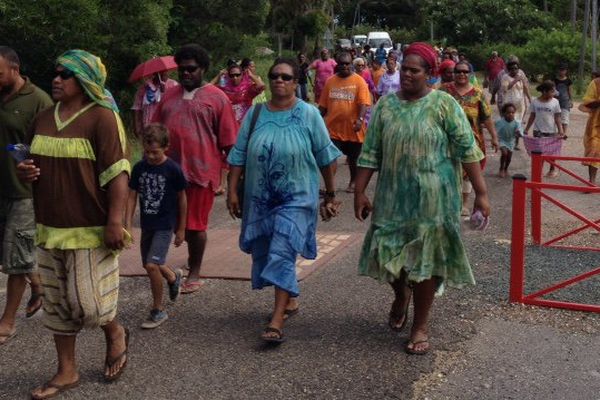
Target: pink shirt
(199, 130)
(241, 96)
(324, 70)
(148, 109)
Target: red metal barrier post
(537, 166)
(517, 254)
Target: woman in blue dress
(281, 158)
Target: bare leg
(593, 172)
(67, 367)
(398, 312)
(167, 273)
(156, 285)
(292, 303)
(503, 158)
(35, 283)
(15, 287)
(423, 299)
(277, 319)
(114, 333)
(196, 245)
(352, 168)
(508, 160)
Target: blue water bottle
(19, 151)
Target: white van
(359, 40)
(375, 39)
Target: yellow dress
(591, 139)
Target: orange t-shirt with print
(342, 98)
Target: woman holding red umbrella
(150, 93)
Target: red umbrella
(150, 67)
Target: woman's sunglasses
(285, 77)
(234, 75)
(64, 74)
(461, 71)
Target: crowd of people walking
(415, 116)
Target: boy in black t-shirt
(163, 207)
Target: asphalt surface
(339, 346)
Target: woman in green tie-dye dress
(418, 139)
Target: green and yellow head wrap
(91, 74)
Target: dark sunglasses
(461, 71)
(188, 68)
(344, 63)
(64, 74)
(234, 75)
(285, 77)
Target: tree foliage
(125, 33)
(121, 33)
(298, 20)
(222, 26)
(478, 21)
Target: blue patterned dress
(281, 192)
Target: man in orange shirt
(343, 104)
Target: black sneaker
(175, 287)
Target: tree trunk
(573, 15)
(594, 33)
(545, 5)
(280, 44)
(431, 31)
(586, 21)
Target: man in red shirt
(493, 67)
(202, 127)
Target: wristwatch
(330, 194)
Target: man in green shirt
(20, 101)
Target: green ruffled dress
(418, 148)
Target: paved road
(339, 346)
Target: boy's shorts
(565, 115)
(154, 246)
(200, 201)
(17, 236)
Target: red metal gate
(520, 187)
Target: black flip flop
(59, 389)
(110, 363)
(271, 339)
(34, 297)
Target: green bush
(540, 56)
